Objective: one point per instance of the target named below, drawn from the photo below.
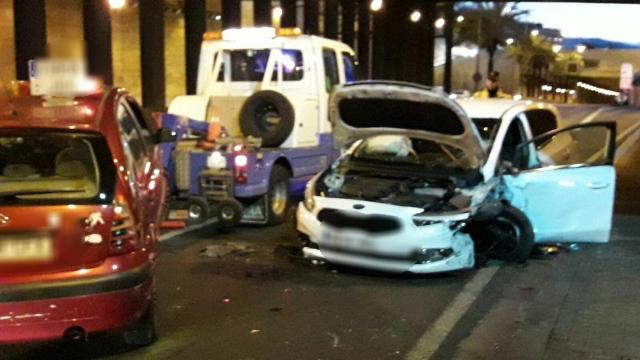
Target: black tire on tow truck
(198, 210)
(278, 197)
(509, 236)
(268, 115)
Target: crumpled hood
(365, 109)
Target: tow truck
(258, 127)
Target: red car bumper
(46, 311)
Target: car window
(292, 65)
(515, 136)
(350, 71)
(541, 121)
(143, 122)
(588, 145)
(331, 74)
(54, 168)
(130, 132)
(487, 127)
(248, 65)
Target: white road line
(431, 340)
(592, 116)
(171, 234)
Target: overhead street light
(440, 23)
(276, 13)
(556, 48)
(376, 5)
(581, 48)
(117, 4)
(535, 32)
(509, 41)
(415, 16)
(460, 18)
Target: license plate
(18, 248)
(345, 239)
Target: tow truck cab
(265, 93)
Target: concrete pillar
(428, 36)
(30, 34)
(450, 21)
(348, 22)
(97, 37)
(262, 12)
(230, 14)
(289, 11)
(151, 19)
(311, 17)
(331, 19)
(363, 38)
(195, 24)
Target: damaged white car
(418, 190)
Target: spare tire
(268, 115)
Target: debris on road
(254, 331)
(220, 250)
(335, 338)
(275, 309)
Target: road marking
(592, 116)
(171, 234)
(431, 340)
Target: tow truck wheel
(278, 195)
(197, 209)
(229, 212)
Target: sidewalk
(580, 305)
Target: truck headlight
(309, 193)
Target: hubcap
(195, 211)
(227, 213)
(508, 235)
(279, 195)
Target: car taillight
(240, 162)
(124, 238)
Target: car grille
(369, 223)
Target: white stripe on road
(171, 234)
(591, 116)
(431, 340)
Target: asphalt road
(265, 302)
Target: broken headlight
(425, 256)
(309, 193)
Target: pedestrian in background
(492, 88)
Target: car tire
(278, 197)
(267, 115)
(197, 209)
(144, 331)
(509, 236)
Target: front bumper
(389, 252)
(45, 311)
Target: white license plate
(25, 248)
(345, 240)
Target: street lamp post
(375, 6)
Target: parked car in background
(419, 190)
(81, 197)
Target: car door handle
(597, 185)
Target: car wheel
(197, 209)
(278, 197)
(143, 332)
(509, 236)
(268, 115)
(229, 212)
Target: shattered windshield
(52, 167)
(399, 149)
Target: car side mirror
(507, 168)
(166, 135)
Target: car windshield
(404, 150)
(486, 127)
(54, 168)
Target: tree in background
(535, 56)
(488, 24)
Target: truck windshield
(55, 168)
(251, 65)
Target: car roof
(81, 113)
(496, 108)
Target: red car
(81, 196)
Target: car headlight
(309, 193)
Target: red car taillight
(124, 238)
(240, 166)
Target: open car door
(568, 195)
